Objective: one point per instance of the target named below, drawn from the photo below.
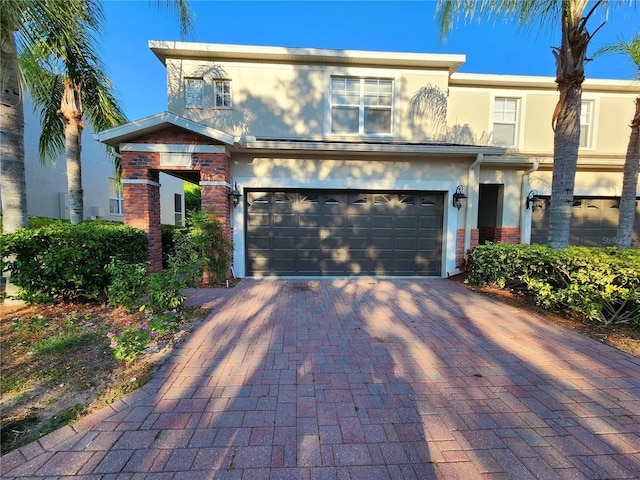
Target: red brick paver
(362, 378)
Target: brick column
(141, 196)
(460, 253)
(215, 178)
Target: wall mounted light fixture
(458, 197)
(533, 201)
(235, 195)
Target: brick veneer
(142, 196)
(460, 244)
(500, 234)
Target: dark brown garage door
(320, 232)
(594, 222)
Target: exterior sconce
(234, 195)
(533, 201)
(458, 197)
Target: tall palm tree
(24, 26)
(627, 210)
(570, 57)
(65, 87)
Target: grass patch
(58, 344)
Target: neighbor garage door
(594, 222)
(319, 232)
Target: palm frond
(185, 14)
(630, 49)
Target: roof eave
(117, 135)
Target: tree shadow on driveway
(355, 378)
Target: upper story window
(586, 124)
(115, 198)
(194, 92)
(222, 93)
(505, 121)
(361, 105)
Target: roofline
(117, 135)
(220, 52)
(363, 148)
(522, 81)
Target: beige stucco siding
(268, 100)
(536, 121)
(469, 109)
(354, 172)
(593, 183)
(612, 117)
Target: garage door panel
(358, 221)
(593, 222)
(340, 233)
(309, 243)
(259, 219)
(406, 243)
(381, 243)
(309, 220)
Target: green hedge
(61, 261)
(597, 283)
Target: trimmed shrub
(65, 262)
(600, 284)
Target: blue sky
(400, 26)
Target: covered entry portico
(171, 144)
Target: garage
(340, 233)
(594, 222)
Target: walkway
(362, 379)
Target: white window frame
(115, 195)
(362, 104)
(226, 96)
(515, 122)
(586, 141)
(194, 92)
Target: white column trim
(140, 182)
(215, 184)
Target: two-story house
(366, 163)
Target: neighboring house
(351, 162)
(47, 183)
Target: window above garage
(361, 106)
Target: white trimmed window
(115, 198)
(361, 105)
(505, 121)
(222, 93)
(586, 124)
(194, 92)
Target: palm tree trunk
(71, 110)
(627, 210)
(13, 187)
(565, 160)
(570, 58)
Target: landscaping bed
(57, 364)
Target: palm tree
(570, 58)
(27, 27)
(627, 210)
(22, 24)
(65, 87)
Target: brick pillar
(141, 196)
(215, 178)
(460, 253)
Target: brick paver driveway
(362, 378)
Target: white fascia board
(372, 148)
(219, 52)
(522, 81)
(170, 148)
(116, 135)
